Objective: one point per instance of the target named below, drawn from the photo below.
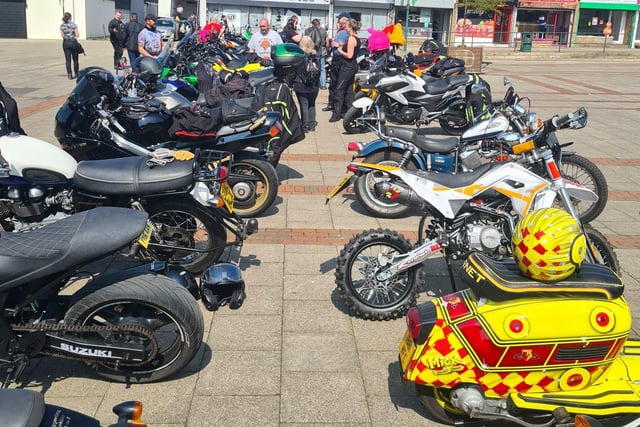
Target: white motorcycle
(379, 272)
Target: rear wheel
(152, 302)
(255, 186)
(364, 186)
(436, 402)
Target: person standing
(261, 42)
(132, 29)
(69, 33)
(348, 69)
(319, 37)
(290, 31)
(116, 37)
(150, 42)
(336, 60)
(306, 89)
(225, 25)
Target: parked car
(165, 26)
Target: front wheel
(583, 171)
(351, 124)
(601, 249)
(365, 191)
(155, 303)
(189, 235)
(455, 121)
(255, 186)
(357, 268)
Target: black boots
(334, 117)
(70, 76)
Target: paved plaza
(293, 355)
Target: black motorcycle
(98, 122)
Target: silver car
(165, 26)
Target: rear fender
(380, 145)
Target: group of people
(139, 41)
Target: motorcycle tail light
(352, 168)
(275, 129)
(420, 321)
(354, 146)
(414, 322)
(222, 173)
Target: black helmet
(222, 284)
(149, 69)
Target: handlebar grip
(115, 122)
(577, 119)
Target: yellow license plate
(341, 186)
(145, 237)
(227, 196)
(406, 350)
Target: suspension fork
(404, 262)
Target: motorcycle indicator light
(352, 168)
(354, 146)
(525, 147)
(275, 130)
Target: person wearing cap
(150, 42)
(116, 37)
(336, 59)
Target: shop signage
(541, 4)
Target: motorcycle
(40, 183)
(134, 325)
(379, 272)
(484, 141)
(27, 408)
(96, 122)
(403, 98)
(490, 353)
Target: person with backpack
(307, 84)
(319, 37)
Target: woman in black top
(348, 69)
(69, 33)
(290, 31)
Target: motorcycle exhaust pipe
(394, 192)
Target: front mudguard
(380, 145)
(364, 104)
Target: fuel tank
(24, 153)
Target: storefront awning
(609, 5)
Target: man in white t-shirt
(261, 42)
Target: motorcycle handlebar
(575, 120)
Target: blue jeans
(323, 71)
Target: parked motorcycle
(27, 408)
(494, 353)
(136, 325)
(97, 122)
(509, 124)
(379, 272)
(403, 98)
(41, 183)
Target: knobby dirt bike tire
(358, 299)
(184, 223)
(153, 301)
(583, 171)
(363, 187)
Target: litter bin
(527, 42)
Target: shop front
(618, 18)
(425, 19)
(546, 21)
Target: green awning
(609, 6)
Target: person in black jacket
(116, 37)
(307, 88)
(131, 30)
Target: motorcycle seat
(443, 85)
(21, 408)
(424, 143)
(455, 180)
(132, 176)
(64, 244)
(259, 77)
(502, 280)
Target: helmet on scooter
(548, 245)
(222, 284)
(149, 69)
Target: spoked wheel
(601, 249)
(455, 122)
(365, 191)
(153, 303)
(583, 171)
(358, 265)
(189, 235)
(255, 186)
(350, 124)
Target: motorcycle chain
(146, 332)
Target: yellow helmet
(548, 245)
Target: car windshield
(164, 22)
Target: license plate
(344, 183)
(145, 237)
(406, 350)
(227, 196)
